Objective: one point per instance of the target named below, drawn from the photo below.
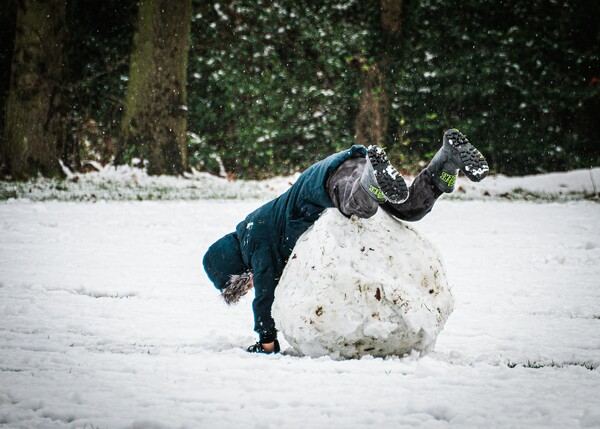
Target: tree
(97, 51)
(372, 118)
(32, 120)
(391, 17)
(154, 122)
(371, 126)
(8, 18)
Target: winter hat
(224, 259)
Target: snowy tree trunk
(154, 123)
(32, 121)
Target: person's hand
(265, 348)
(268, 347)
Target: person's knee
(366, 214)
(406, 215)
(360, 203)
(410, 217)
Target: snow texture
(362, 287)
(108, 321)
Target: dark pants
(422, 195)
(350, 198)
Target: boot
(381, 180)
(456, 154)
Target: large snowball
(362, 286)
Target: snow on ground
(127, 183)
(552, 186)
(108, 321)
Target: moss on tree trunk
(154, 123)
(32, 120)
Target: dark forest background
(264, 87)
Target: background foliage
(272, 86)
(98, 52)
(519, 77)
(269, 86)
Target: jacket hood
(224, 259)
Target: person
(357, 182)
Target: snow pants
(350, 198)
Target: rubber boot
(456, 154)
(381, 180)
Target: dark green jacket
(268, 235)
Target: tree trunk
(372, 119)
(32, 120)
(154, 123)
(371, 125)
(391, 17)
(8, 20)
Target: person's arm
(266, 277)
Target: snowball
(355, 287)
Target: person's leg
(359, 185)
(347, 193)
(440, 175)
(457, 153)
(423, 193)
(380, 175)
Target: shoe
(257, 348)
(388, 184)
(456, 154)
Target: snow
(108, 320)
(561, 186)
(126, 183)
(362, 287)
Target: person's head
(223, 260)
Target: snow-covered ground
(127, 183)
(108, 321)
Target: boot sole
(390, 181)
(474, 164)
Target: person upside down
(356, 181)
